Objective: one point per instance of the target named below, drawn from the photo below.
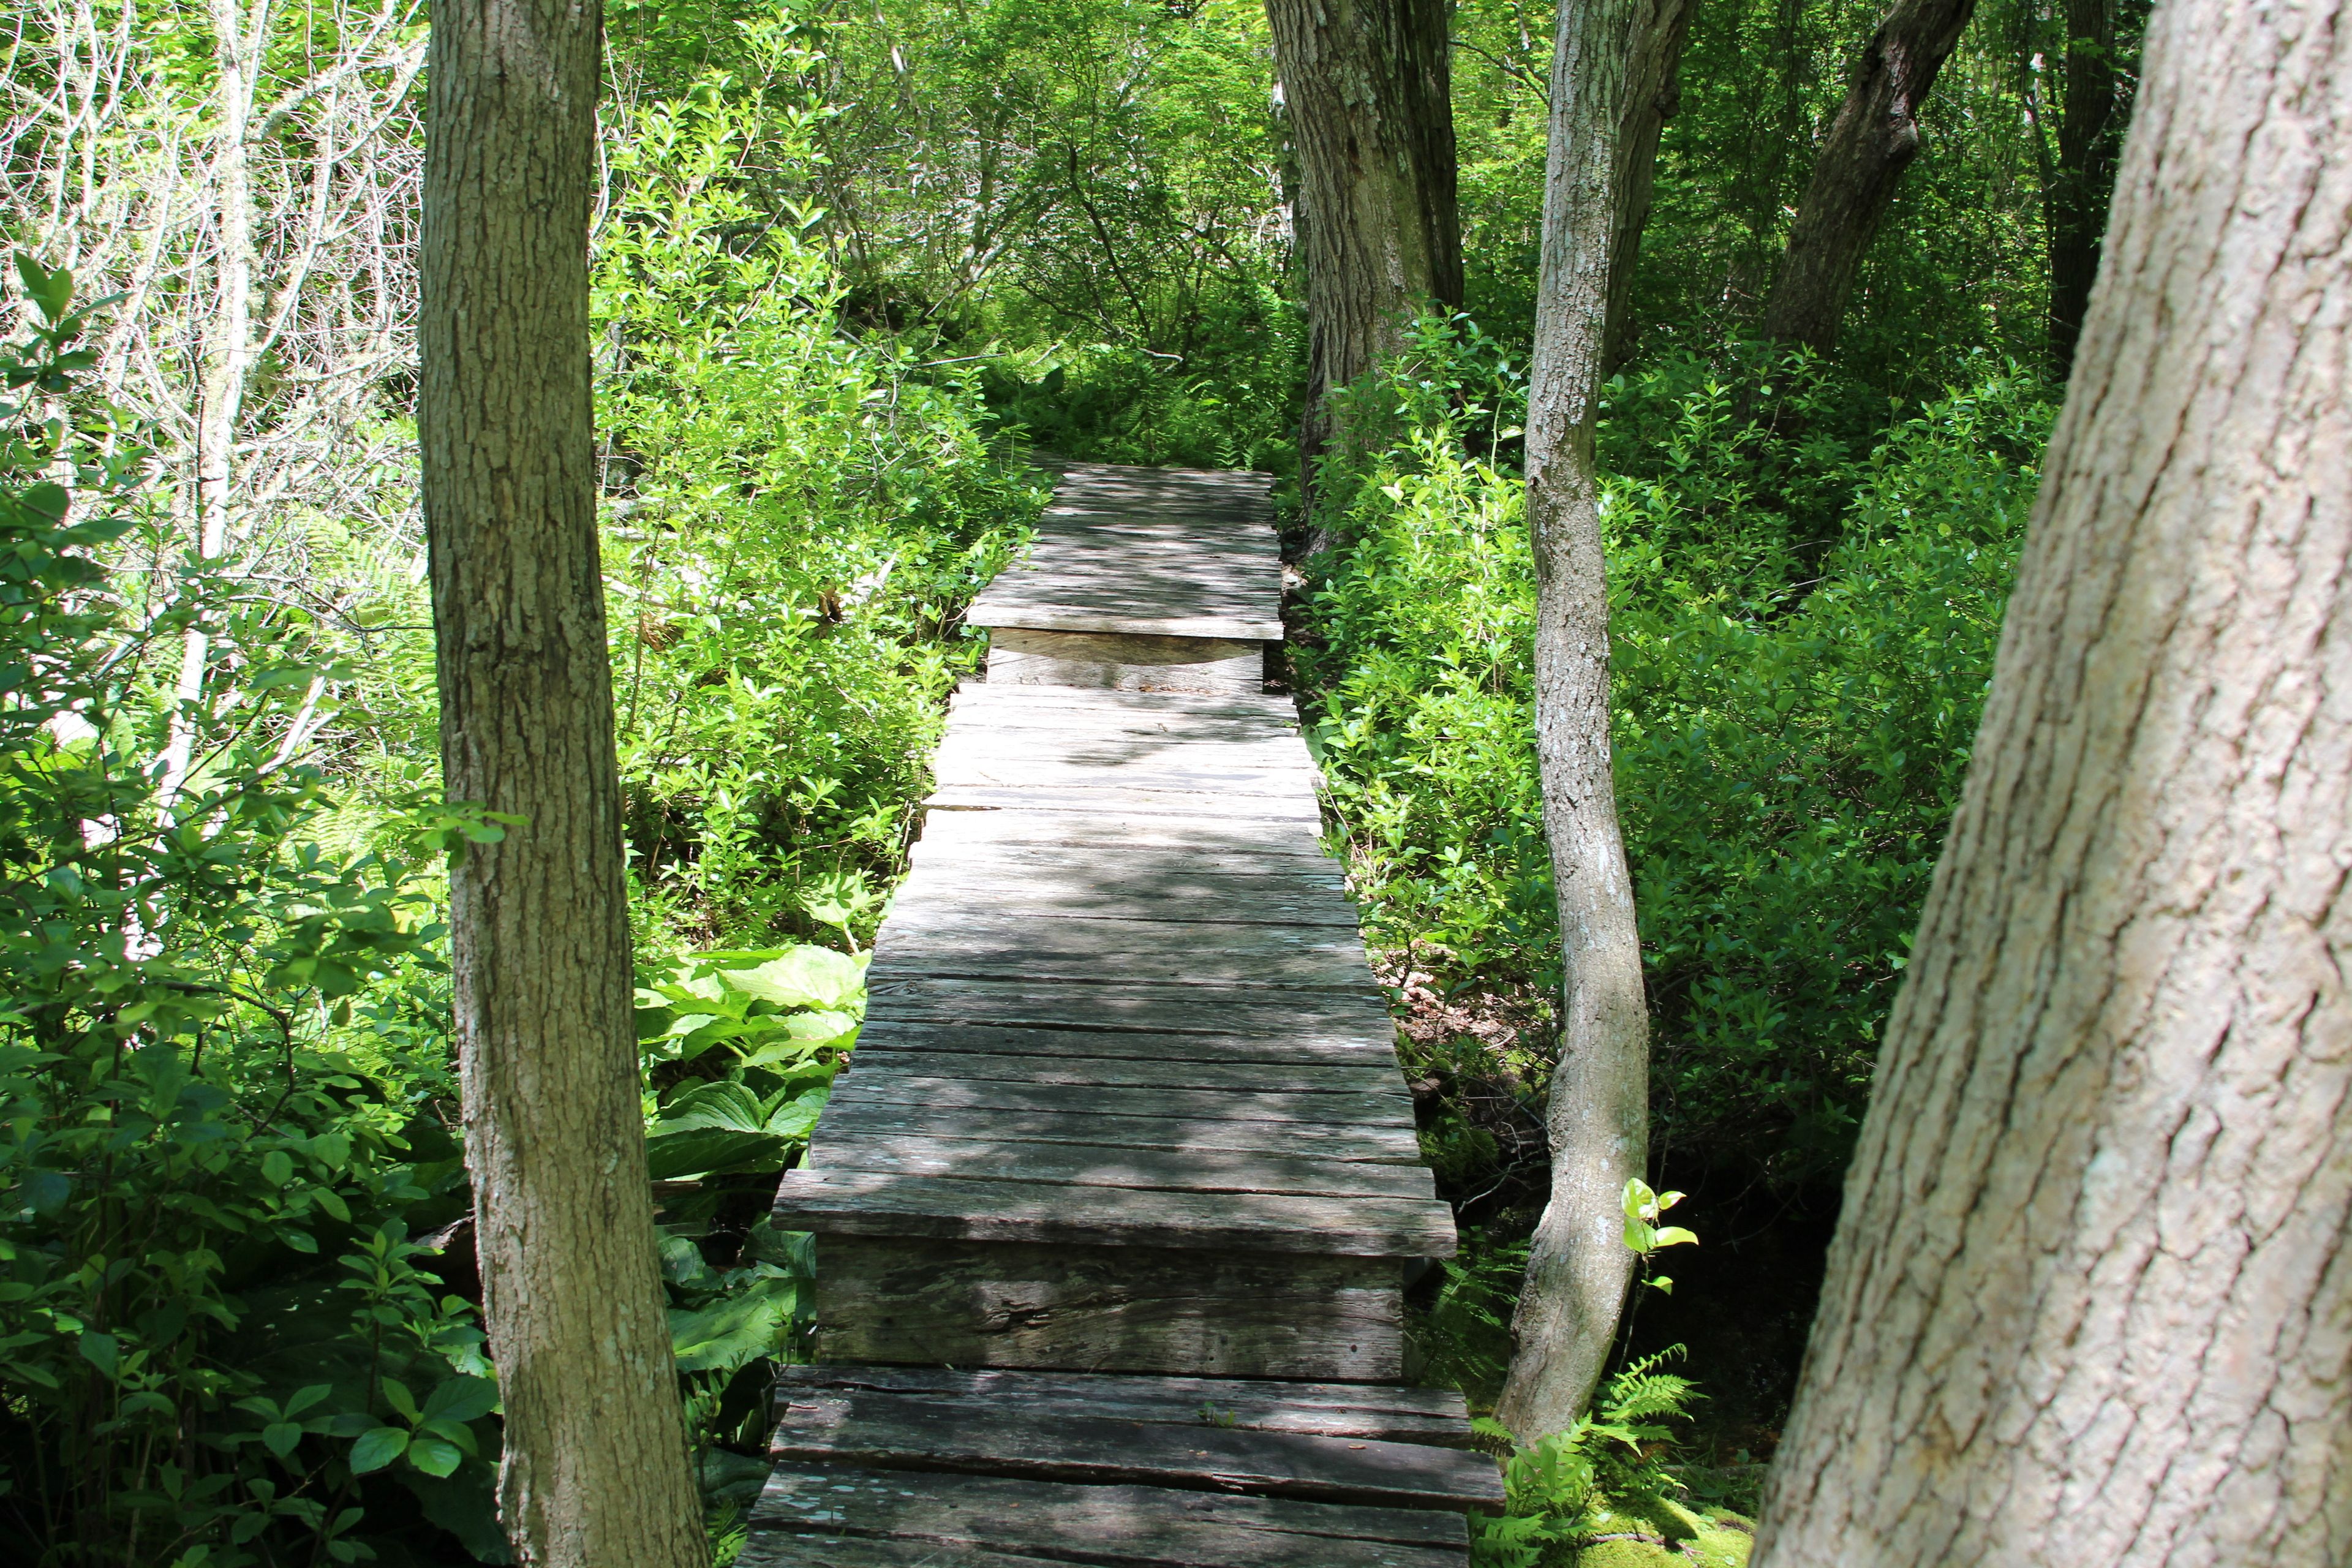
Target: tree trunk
(595, 1471)
(2091, 125)
(2090, 1301)
(1578, 1267)
(227, 341)
(1651, 102)
(1871, 142)
(1365, 85)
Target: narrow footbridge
(1117, 1205)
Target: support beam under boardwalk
(1126, 1114)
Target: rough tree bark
(1649, 101)
(2091, 122)
(1366, 86)
(1578, 1267)
(595, 1471)
(1873, 140)
(2090, 1301)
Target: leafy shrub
(221, 1337)
(1804, 615)
(799, 515)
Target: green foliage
(220, 1343)
(777, 1024)
(1464, 1336)
(1804, 610)
(1605, 1491)
(799, 515)
(1644, 1236)
(1112, 253)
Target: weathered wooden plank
(1130, 861)
(1124, 800)
(1078, 936)
(1195, 1170)
(1141, 871)
(1010, 719)
(826, 1509)
(1123, 747)
(1002, 1039)
(1381, 1145)
(1064, 614)
(1285, 837)
(955, 772)
(1335, 1016)
(1205, 901)
(940, 949)
(858, 1087)
(1126, 653)
(1131, 1072)
(1229, 1312)
(875, 1203)
(1433, 1415)
(978, 695)
(940, 1432)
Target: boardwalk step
(839, 1202)
(1203, 1435)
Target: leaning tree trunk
(2090, 132)
(2090, 1301)
(1577, 1266)
(1871, 142)
(1366, 90)
(1651, 101)
(595, 1471)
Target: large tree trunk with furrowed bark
(1577, 1266)
(1365, 84)
(1873, 140)
(2091, 1297)
(596, 1473)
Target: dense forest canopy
(851, 263)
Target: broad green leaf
(102, 1350)
(378, 1447)
(434, 1456)
(702, 1151)
(461, 1399)
(804, 977)
(741, 1329)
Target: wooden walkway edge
(1118, 1202)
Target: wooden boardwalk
(1117, 1205)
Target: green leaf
(375, 1449)
(675, 1157)
(434, 1456)
(278, 1167)
(1674, 1235)
(729, 1333)
(279, 1437)
(804, 977)
(396, 1394)
(102, 1350)
(461, 1399)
